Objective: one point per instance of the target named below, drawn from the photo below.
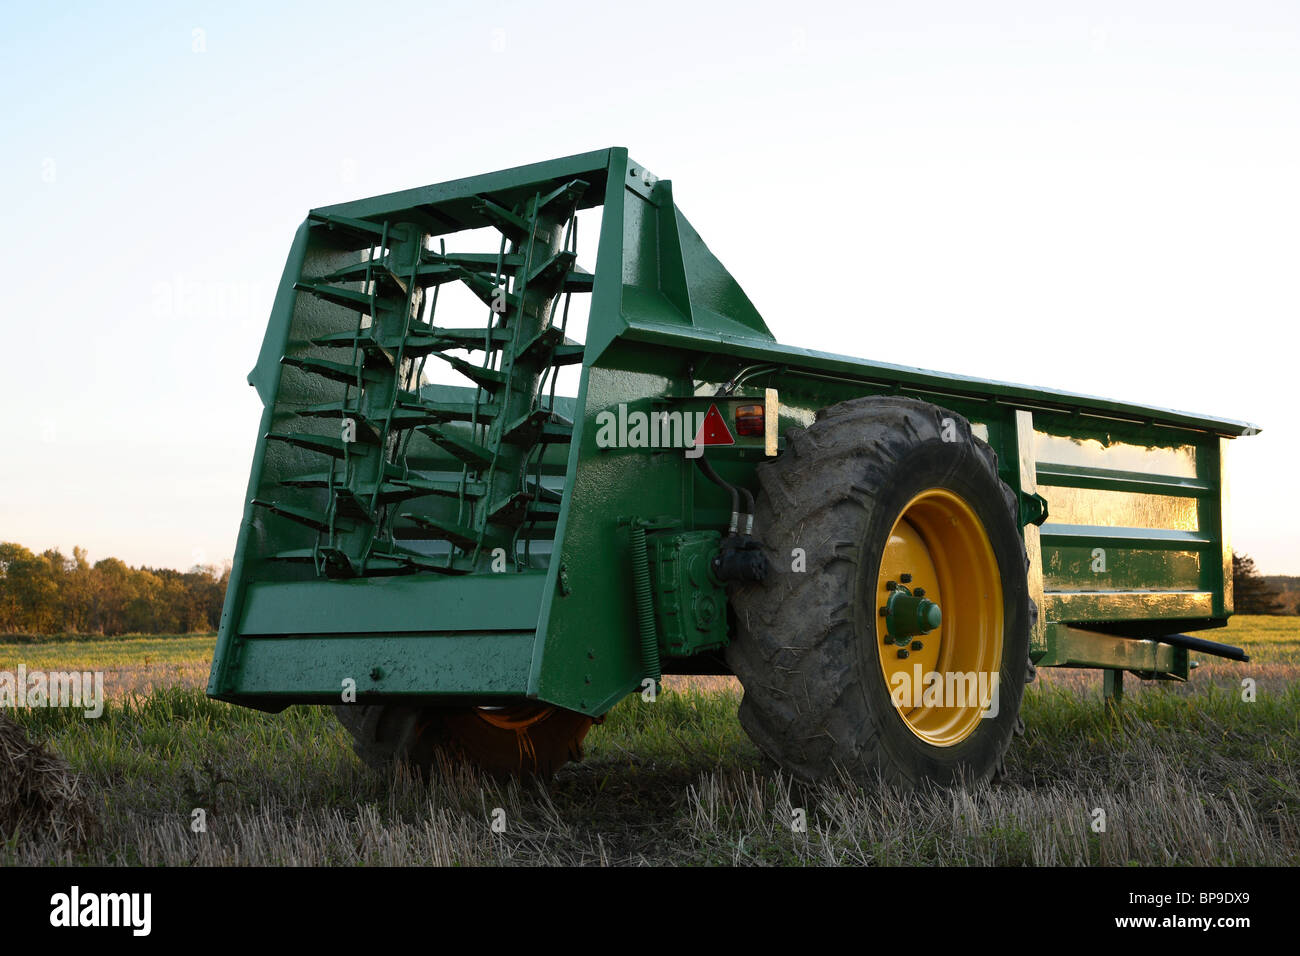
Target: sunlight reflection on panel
(1089, 452)
(1120, 509)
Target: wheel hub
(909, 614)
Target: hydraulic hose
(704, 466)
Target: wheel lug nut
(905, 578)
(917, 645)
(884, 612)
(891, 585)
(902, 652)
(919, 592)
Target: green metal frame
(471, 544)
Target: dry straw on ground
(40, 796)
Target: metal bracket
(1033, 509)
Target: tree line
(51, 593)
(1252, 593)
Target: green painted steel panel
(589, 656)
(423, 665)
(492, 602)
(1129, 570)
(1084, 606)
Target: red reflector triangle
(713, 430)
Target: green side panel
(589, 659)
(1064, 566)
(312, 669)
(667, 280)
(1135, 528)
(415, 603)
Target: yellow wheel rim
(518, 717)
(940, 544)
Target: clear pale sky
(1099, 197)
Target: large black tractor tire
(872, 487)
(527, 740)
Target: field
(1185, 774)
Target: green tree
(16, 564)
(49, 594)
(1251, 594)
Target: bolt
(891, 585)
(884, 612)
(905, 578)
(919, 592)
(902, 652)
(917, 645)
(376, 673)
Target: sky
(1098, 197)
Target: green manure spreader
(881, 555)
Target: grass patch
(1185, 774)
(110, 652)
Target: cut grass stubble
(1184, 775)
